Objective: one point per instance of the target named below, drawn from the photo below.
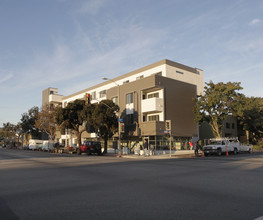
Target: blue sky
(72, 44)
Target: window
(125, 82)
(198, 72)
(179, 72)
(139, 77)
(153, 118)
(93, 95)
(227, 125)
(102, 93)
(156, 95)
(129, 98)
(233, 125)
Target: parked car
(90, 147)
(48, 146)
(35, 144)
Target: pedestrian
(152, 149)
(137, 148)
(191, 145)
(145, 146)
(196, 149)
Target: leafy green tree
(46, 121)
(19, 132)
(28, 123)
(8, 132)
(103, 118)
(74, 117)
(249, 112)
(218, 102)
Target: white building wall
(117, 82)
(167, 71)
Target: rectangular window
(179, 72)
(129, 98)
(153, 118)
(233, 126)
(93, 95)
(153, 95)
(139, 77)
(227, 125)
(125, 82)
(102, 93)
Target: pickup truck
(222, 145)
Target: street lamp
(119, 132)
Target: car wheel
(206, 154)
(219, 152)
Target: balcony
(152, 105)
(55, 98)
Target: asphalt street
(38, 185)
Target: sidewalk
(163, 155)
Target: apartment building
(147, 97)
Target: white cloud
(6, 77)
(256, 22)
(77, 63)
(246, 44)
(91, 7)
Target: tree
(46, 121)
(103, 118)
(74, 117)
(8, 132)
(249, 113)
(19, 132)
(28, 123)
(218, 102)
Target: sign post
(168, 126)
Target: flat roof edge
(159, 63)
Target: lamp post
(119, 127)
